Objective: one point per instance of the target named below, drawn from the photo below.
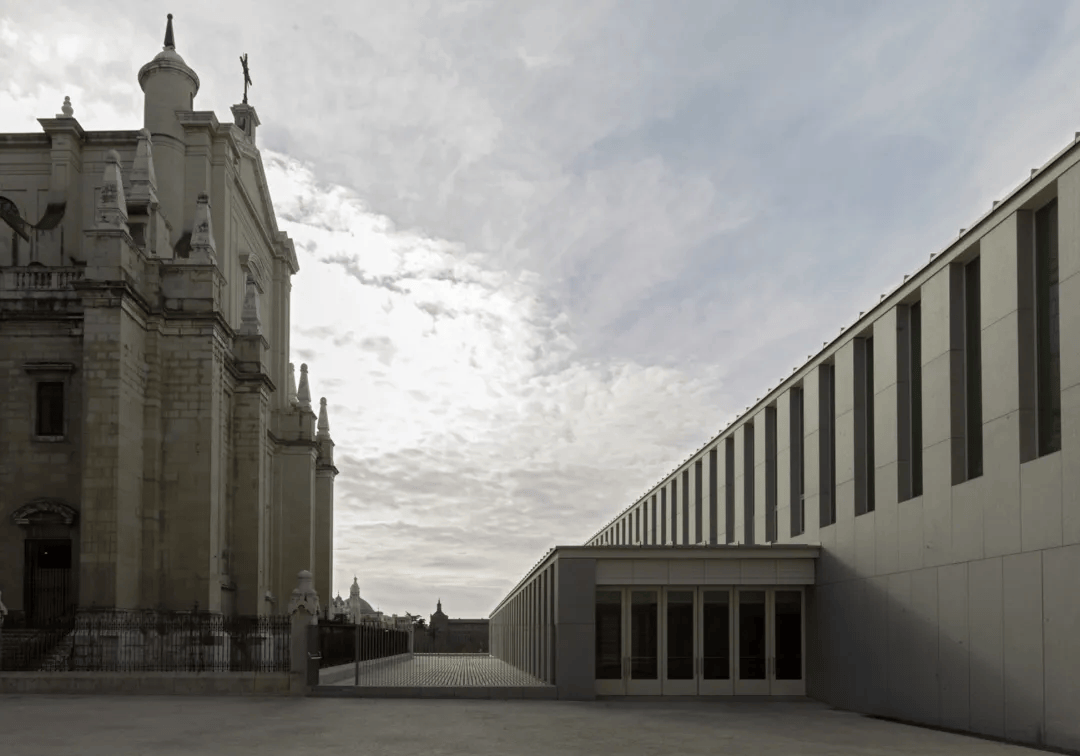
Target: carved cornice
(232, 366)
(323, 470)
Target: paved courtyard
(444, 670)
(179, 726)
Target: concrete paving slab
(54, 725)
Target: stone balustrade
(36, 278)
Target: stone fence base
(153, 683)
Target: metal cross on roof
(247, 75)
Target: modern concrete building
(893, 529)
(155, 451)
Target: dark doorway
(47, 582)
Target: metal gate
(47, 581)
(376, 659)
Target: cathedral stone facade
(155, 449)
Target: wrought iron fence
(151, 641)
(365, 641)
(48, 596)
(512, 656)
(26, 648)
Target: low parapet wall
(151, 683)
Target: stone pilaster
(303, 609)
(114, 384)
(251, 420)
(295, 464)
(193, 351)
(325, 472)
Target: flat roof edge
(719, 551)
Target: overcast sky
(548, 249)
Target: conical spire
(250, 322)
(203, 246)
(324, 423)
(303, 392)
(143, 178)
(111, 209)
(292, 385)
(170, 43)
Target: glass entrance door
(628, 641)
(769, 642)
(788, 676)
(707, 640)
(751, 642)
(610, 659)
(681, 659)
(716, 621)
(643, 641)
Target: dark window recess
(748, 483)
(729, 489)
(675, 510)
(1047, 331)
(712, 497)
(698, 536)
(864, 431)
(652, 530)
(686, 507)
(798, 477)
(827, 444)
(50, 409)
(770, 474)
(973, 370)
(871, 481)
(663, 516)
(915, 389)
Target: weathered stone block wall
(295, 520)
(191, 358)
(29, 468)
(323, 557)
(114, 381)
(250, 468)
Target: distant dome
(356, 601)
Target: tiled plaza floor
(44, 725)
(444, 670)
